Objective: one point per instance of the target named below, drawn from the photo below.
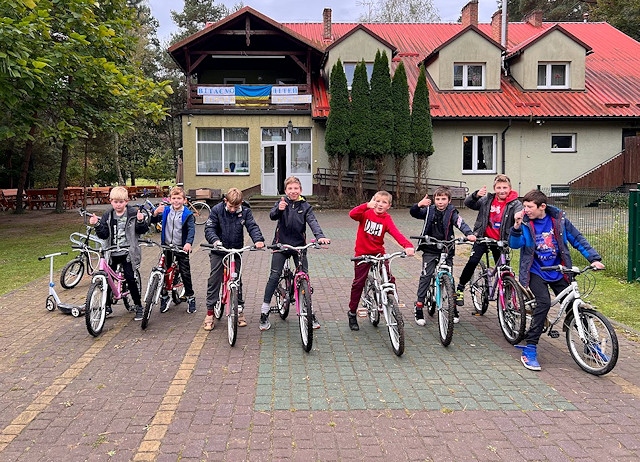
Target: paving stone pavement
(175, 392)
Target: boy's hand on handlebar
(260, 245)
(471, 238)
(187, 247)
(409, 251)
(597, 265)
(324, 241)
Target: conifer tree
(337, 134)
(381, 114)
(421, 131)
(401, 139)
(360, 128)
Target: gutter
(503, 142)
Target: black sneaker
(353, 321)
(191, 308)
(139, 313)
(419, 314)
(164, 304)
(108, 310)
(264, 321)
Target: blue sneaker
(597, 353)
(529, 357)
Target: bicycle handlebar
(574, 270)
(52, 255)
(171, 247)
(299, 248)
(221, 248)
(375, 258)
(491, 241)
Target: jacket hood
(513, 195)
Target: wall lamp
(539, 122)
(290, 126)
(189, 119)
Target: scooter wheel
(51, 303)
(75, 311)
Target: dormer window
(553, 75)
(467, 76)
(350, 68)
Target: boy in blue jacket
(543, 233)
(439, 220)
(178, 228)
(225, 227)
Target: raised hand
(283, 204)
(518, 219)
(482, 191)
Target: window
(350, 68)
(468, 76)
(301, 150)
(222, 150)
(563, 142)
(553, 75)
(478, 153)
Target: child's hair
(233, 197)
(500, 178)
(177, 191)
(442, 191)
(536, 196)
(292, 179)
(385, 194)
(119, 193)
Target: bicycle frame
(570, 296)
(299, 274)
(109, 276)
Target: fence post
(633, 264)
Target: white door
(269, 170)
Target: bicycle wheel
(283, 299)
(95, 312)
(395, 325)
(201, 211)
(370, 301)
(480, 289)
(177, 292)
(306, 315)
(218, 308)
(511, 314)
(152, 292)
(430, 301)
(446, 310)
(598, 355)
(127, 300)
(232, 319)
(72, 273)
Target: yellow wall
(355, 48)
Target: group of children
(541, 231)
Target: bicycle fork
(387, 288)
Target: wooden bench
(8, 199)
(99, 194)
(41, 198)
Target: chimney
(470, 14)
(496, 26)
(534, 18)
(326, 25)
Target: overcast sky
(311, 11)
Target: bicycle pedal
(274, 309)
(554, 334)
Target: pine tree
(381, 113)
(401, 139)
(360, 129)
(421, 131)
(337, 134)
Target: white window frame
(465, 76)
(572, 148)
(548, 75)
(475, 137)
(350, 70)
(224, 164)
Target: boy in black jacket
(439, 220)
(292, 213)
(225, 227)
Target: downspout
(503, 142)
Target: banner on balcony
(253, 95)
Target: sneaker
(529, 357)
(597, 353)
(419, 314)
(139, 313)
(164, 304)
(264, 321)
(456, 316)
(108, 310)
(353, 321)
(316, 324)
(191, 308)
(460, 297)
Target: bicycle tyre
(177, 291)
(306, 316)
(395, 325)
(446, 310)
(600, 355)
(430, 300)
(127, 300)
(232, 318)
(283, 298)
(370, 301)
(512, 317)
(218, 308)
(95, 311)
(201, 211)
(480, 289)
(152, 291)
(72, 273)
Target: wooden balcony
(217, 97)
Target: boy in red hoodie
(495, 219)
(374, 223)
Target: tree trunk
(336, 167)
(380, 173)
(24, 172)
(358, 180)
(116, 150)
(398, 164)
(62, 177)
(420, 179)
